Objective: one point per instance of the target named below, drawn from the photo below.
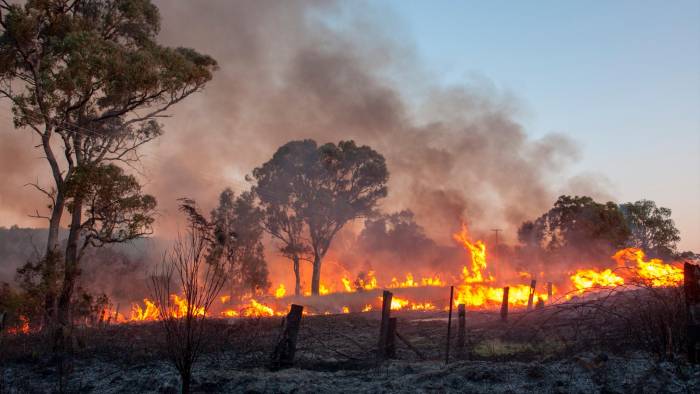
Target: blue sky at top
(622, 78)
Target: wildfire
(280, 292)
(478, 287)
(22, 328)
(346, 284)
(432, 281)
(256, 309)
(587, 278)
(653, 272)
(253, 309)
(410, 282)
(478, 257)
(150, 312)
(476, 290)
(179, 308)
(398, 303)
(366, 282)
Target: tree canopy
(578, 223)
(237, 237)
(322, 187)
(233, 238)
(89, 79)
(651, 228)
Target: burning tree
(89, 80)
(309, 192)
(184, 319)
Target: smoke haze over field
(316, 69)
(293, 70)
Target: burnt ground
(550, 350)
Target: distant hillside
(120, 270)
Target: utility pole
(496, 230)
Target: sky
(485, 111)
(621, 78)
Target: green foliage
(238, 242)
(577, 223)
(309, 192)
(651, 228)
(92, 61)
(90, 80)
(114, 208)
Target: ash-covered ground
(540, 351)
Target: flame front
(21, 328)
(633, 269)
(585, 279)
(477, 288)
(280, 292)
(654, 272)
(478, 258)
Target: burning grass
(633, 308)
(477, 288)
(587, 336)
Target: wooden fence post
(533, 285)
(449, 325)
(691, 285)
(384, 325)
(504, 304)
(391, 339)
(549, 292)
(283, 355)
(462, 328)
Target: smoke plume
(320, 70)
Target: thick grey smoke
(320, 70)
(292, 70)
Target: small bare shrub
(183, 321)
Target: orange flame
(653, 272)
(280, 292)
(588, 278)
(478, 256)
(150, 312)
(22, 328)
(398, 303)
(410, 282)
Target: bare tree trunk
(316, 274)
(70, 271)
(52, 256)
(297, 276)
(51, 259)
(55, 222)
